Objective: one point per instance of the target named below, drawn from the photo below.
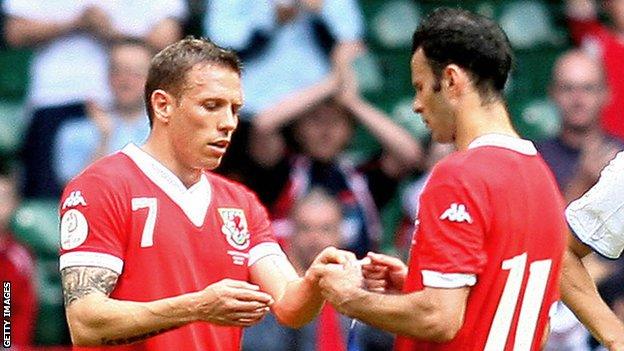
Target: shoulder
(458, 165)
(110, 172)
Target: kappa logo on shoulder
(235, 227)
(456, 213)
(74, 199)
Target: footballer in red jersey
(486, 255)
(158, 253)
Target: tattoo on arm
(136, 338)
(82, 281)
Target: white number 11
(530, 307)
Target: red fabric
(18, 268)
(329, 332)
(612, 52)
(515, 209)
(184, 258)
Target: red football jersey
(491, 217)
(128, 213)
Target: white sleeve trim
(93, 259)
(435, 279)
(263, 250)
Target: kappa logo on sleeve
(456, 213)
(74, 199)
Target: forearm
(393, 138)
(577, 186)
(23, 32)
(579, 293)
(282, 112)
(299, 304)
(96, 319)
(413, 315)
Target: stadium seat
(51, 328)
(36, 223)
(404, 115)
(14, 66)
(527, 24)
(390, 21)
(538, 119)
(11, 128)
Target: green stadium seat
(538, 120)
(51, 328)
(14, 67)
(404, 115)
(36, 224)
(527, 24)
(393, 23)
(368, 73)
(11, 128)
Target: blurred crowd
(326, 137)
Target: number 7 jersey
(491, 218)
(128, 213)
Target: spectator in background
(18, 268)
(82, 141)
(69, 64)
(316, 218)
(322, 119)
(581, 149)
(608, 46)
(576, 157)
(410, 197)
(284, 45)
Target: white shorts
(597, 218)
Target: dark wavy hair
(169, 67)
(473, 42)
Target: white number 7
(147, 238)
(529, 310)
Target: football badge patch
(235, 227)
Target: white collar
(194, 201)
(522, 146)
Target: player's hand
(384, 273)
(329, 255)
(340, 284)
(232, 302)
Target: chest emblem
(235, 227)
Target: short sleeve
(597, 218)
(452, 224)
(92, 223)
(263, 241)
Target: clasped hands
(343, 279)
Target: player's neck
(162, 153)
(475, 120)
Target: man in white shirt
(596, 221)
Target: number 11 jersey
(491, 218)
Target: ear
(454, 81)
(162, 104)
